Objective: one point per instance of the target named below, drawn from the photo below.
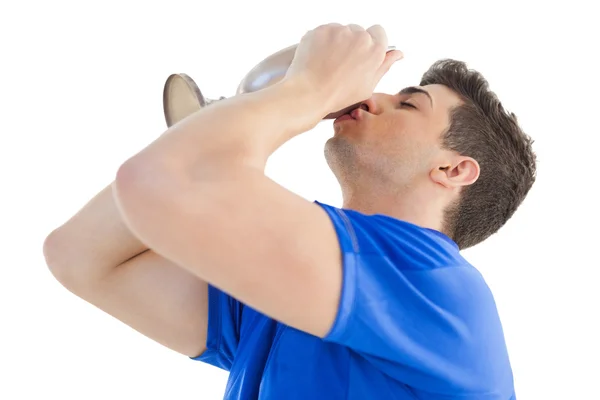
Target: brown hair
(482, 129)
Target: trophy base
(182, 98)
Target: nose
(370, 105)
(378, 103)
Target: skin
(199, 199)
(389, 159)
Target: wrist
(306, 99)
(274, 114)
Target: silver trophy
(182, 97)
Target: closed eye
(405, 104)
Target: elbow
(141, 191)
(65, 265)
(56, 257)
(135, 179)
(137, 184)
(134, 191)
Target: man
(194, 247)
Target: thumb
(390, 58)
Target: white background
(81, 86)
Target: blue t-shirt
(415, 321)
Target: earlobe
(464, 173)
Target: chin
(345, 128)
(342, 157)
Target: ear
(463, 171)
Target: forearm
(244, 129)
(92, 242)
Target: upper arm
(246, 235)
(434, 330)
(155, 297)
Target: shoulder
(408, 288)
(412, 246)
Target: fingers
(355, 28)
(393, 56)
(376, 32)
(390, 58)
(379, 36)
(379, 39)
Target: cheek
(399, 139)
(394, 136)
(404, 147)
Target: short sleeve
(223, 334)
(416, 310)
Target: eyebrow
(416, 90)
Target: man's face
(395, 141)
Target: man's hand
(343, 64)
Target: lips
(344, 118)
(352, 115)
(356, 114)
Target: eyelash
(403, 103)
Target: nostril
(364, 107)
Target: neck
(418, 205)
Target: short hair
(482, 129)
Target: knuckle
(321, 28)
(327, 27)
(363, 38)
